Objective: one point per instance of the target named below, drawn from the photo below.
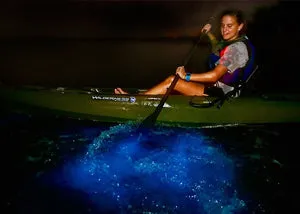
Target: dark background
(136, 43)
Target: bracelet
(188, 77)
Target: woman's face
(230, 28)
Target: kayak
(101, 104)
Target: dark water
(56, 165)
(96, 62)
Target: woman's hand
(181, 72)
(206, 28)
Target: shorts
(214, 91)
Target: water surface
(56, 165)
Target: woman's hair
(238, 14)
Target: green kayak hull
(103, 105)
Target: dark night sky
(98, 19)
(134, 43)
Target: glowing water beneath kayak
(165, 171)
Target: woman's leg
(182, 86)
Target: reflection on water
(67, 166)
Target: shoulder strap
(250, 66)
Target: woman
(230, 56)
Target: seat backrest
(236, 92)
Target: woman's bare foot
(120, 91)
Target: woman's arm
(213, 40)
(211, 76)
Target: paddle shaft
(151, 119)
(165, 97)
(191, 53)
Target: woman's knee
(169, 79)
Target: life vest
(240, 74)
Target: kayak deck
(103, 105)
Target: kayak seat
(236, 92)
(217, 97)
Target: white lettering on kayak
(155, 104)
(129, 99)
(117, 99)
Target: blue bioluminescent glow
(169, 171)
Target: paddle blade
(151, 119)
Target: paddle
(151, 119)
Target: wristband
(188, 77)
